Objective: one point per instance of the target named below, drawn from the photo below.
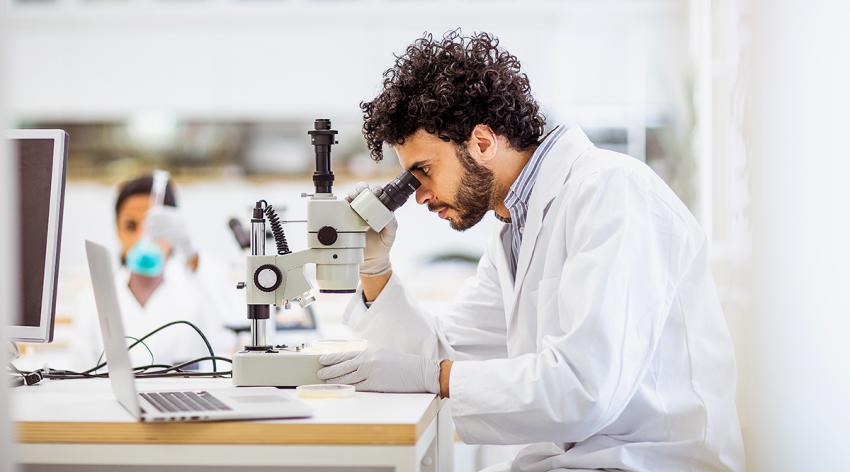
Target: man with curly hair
(592, 328)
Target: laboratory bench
(79, 425)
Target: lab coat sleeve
(612, 298)
(473, 327)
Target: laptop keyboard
(171, 402)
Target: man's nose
(423, 195)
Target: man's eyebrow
(417, 165)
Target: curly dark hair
(449, 86)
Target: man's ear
(483, 144)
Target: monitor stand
(14, 352)
(14, 380)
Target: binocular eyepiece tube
(397, 192)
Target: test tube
(160, 182)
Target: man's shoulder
(601, 162)
(602, 170)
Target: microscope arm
(278, 279)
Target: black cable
(25, 378)
(164, 368)
(197, 330)
(277, 230)
(216, 374)
(31, 378)
(165, 371)
(35, 376)
(187, 374)
(172, 323)
(151, 366)
(128, 350)
(193, 361)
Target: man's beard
(474, 196)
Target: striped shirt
(520, 191)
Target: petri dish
(321, 391)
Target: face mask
(146, 258)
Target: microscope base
(275, 369)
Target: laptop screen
(112, 327)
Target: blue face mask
(146, 258)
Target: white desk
(79, 423)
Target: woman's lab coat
(609, 350)
(184, 295)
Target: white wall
(8, 287)
(798, 349)
(606, 62)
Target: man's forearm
(373, 285)
(445, 375)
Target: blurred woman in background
(172, 282)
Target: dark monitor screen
(40, 165)
(35, 167)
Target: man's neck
(515, 161)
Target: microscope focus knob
(267, 278)
(327, 235)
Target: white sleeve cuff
(393, 321)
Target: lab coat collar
(550, 181)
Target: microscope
(336, 238)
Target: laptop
(227, 403)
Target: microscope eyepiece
(395, 193)
(323, 137)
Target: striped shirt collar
(520, 190)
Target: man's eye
(130, 226)
(426, 170)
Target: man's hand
(381, 371)
(376, 255)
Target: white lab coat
(195, 297)
(609, 351)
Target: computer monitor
(41, 156)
